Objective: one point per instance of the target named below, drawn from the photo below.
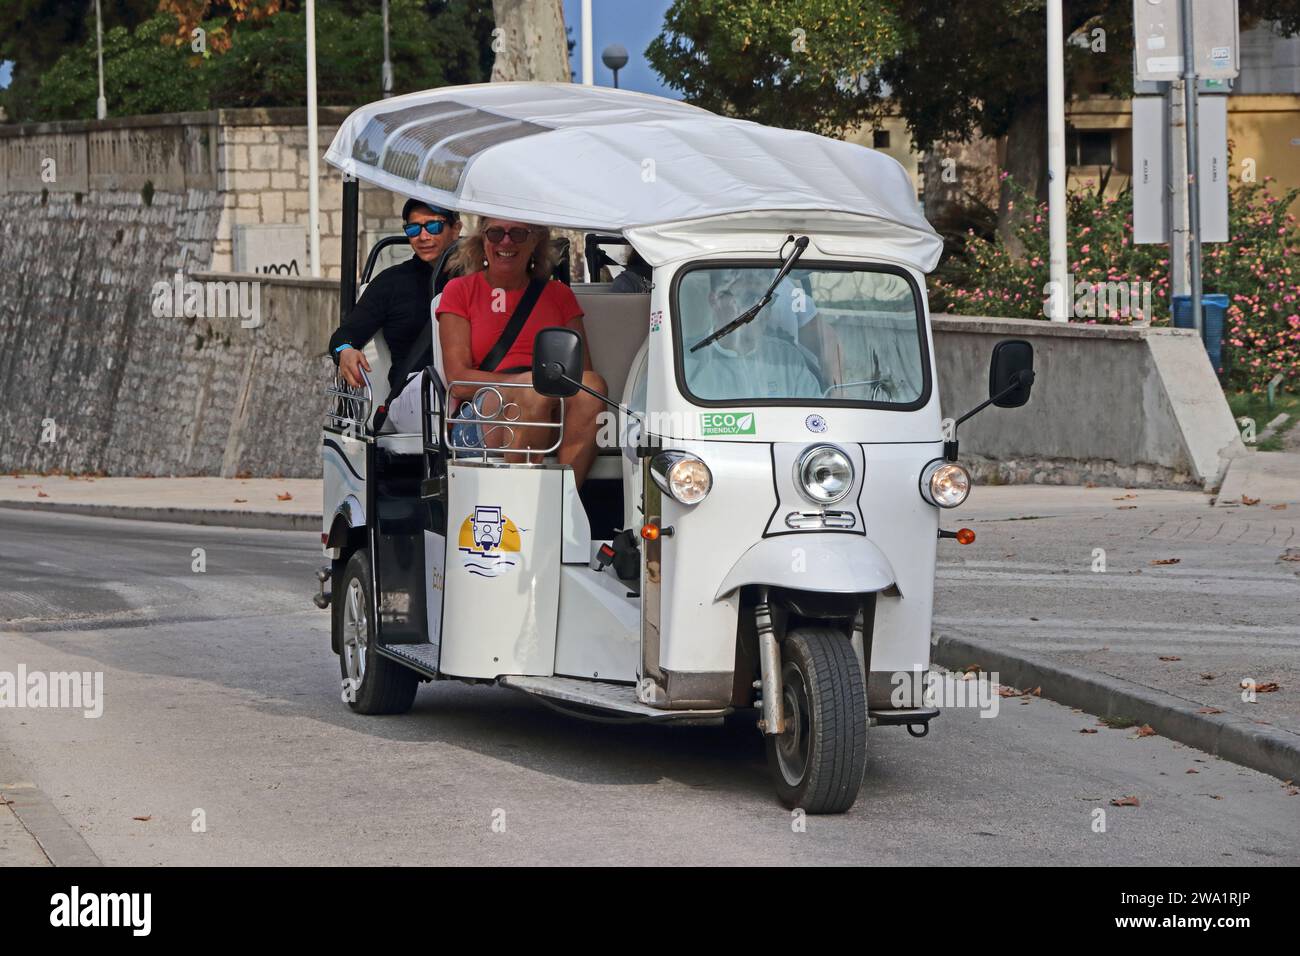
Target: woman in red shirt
(496, 263)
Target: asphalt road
(221, 696)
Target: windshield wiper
(749, 314)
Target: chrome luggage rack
(497, 419)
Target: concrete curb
(222, 517)
(61, 844)
(1238, 739)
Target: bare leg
(579, 446)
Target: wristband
(345, 345)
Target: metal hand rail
(498, 421)
(350, 406)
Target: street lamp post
(614, 57)
(313, 147)
(101, 104)
(587, 58)
(1056, 170)
(386, 80)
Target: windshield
(829, 335)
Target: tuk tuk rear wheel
(371, 684)
(818, 762)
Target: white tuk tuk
(760, 529)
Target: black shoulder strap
(514, 326)
(490, 362)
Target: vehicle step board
(612, 698)
(423, 657)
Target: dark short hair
(414, 204)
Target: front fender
(348, 515)
(813, 561)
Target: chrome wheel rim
(356, 632)
(795, 741)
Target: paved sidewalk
(1149, 590)
(276, 503)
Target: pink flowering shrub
(1256, 269)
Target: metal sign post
(1193, 164)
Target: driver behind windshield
(763, 358)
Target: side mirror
(557, 362)
(1011, 373)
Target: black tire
(818, 763)
(385, 686)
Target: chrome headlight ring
(823, 474)
(682, 476)
(945, 484)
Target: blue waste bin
(1214, 309)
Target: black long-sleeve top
(397, 301)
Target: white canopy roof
(597, 159)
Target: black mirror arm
(591, 391)
(1022, 378)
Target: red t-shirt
(471, 296)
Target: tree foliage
(804, 66)
(432, 43)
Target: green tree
(804, 66)
(142, 74)
(432, 44)
(954, 70)
(34, 34)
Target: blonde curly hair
(470, 255)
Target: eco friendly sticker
(726, 423)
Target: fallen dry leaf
(143, 819)
(1125, 802)
(1146, 730)
(241, 501)
(1248, 500)
(1088, 730)
(284, 496)
(1193, 770)
(1290, 554)
(972, 669)
(1166, 561)
(1207, 677)
(1123, 497)
(243, 475)
(1293, 791)
(1170, 657)
(1209, 710)
(1126, 508)
(1281, 507)
(41, 494)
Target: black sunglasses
(517, 235)
(433, 227)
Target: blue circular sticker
(815, 424)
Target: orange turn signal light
(650, 532)
(965, 536)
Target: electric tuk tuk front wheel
(817, 763)
(371, 684)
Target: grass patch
(1118, 722)
(1255, 405)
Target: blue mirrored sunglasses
(434, 227)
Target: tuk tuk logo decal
(489, 542)
(656, 319)
(816, 424)
(726, 423)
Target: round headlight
(824, 474)
(945, 483)
(682, 475)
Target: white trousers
(404, 412)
